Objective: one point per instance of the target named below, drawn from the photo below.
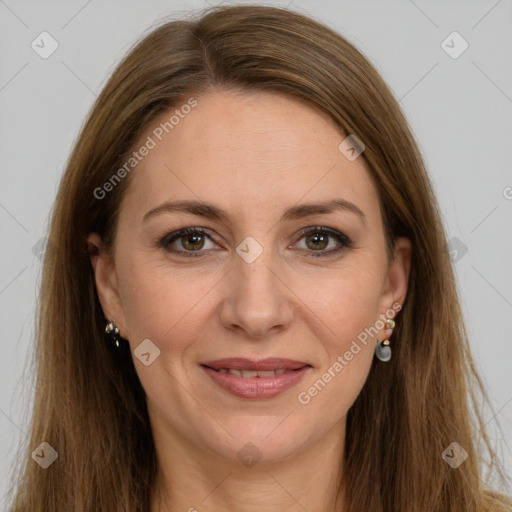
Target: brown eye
(189, 241)
(192, 242)
(318, 239)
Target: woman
(250, 304)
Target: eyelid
(324, 229)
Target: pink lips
(287, 373)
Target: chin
(258, 439)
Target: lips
(261, 379)
(249, 374)
(269, 364)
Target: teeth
(266, 373)
(248, 374)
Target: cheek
(349, 307)
(162, 304)
(333, 392)
(347, 301)
(347, 358)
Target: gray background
(459, 109)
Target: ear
(396, 282)
(106, 282)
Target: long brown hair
(91, 407)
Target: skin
(254, 155)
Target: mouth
(262, 379)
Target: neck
(191, 480)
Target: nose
(258, 298)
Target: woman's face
(252, 285)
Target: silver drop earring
(383, 348)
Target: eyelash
(345, 242)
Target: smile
(257, 380)
(247, 374)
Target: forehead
(250, 152)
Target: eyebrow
(210, 211)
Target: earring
(112, 337)
(383, 349)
